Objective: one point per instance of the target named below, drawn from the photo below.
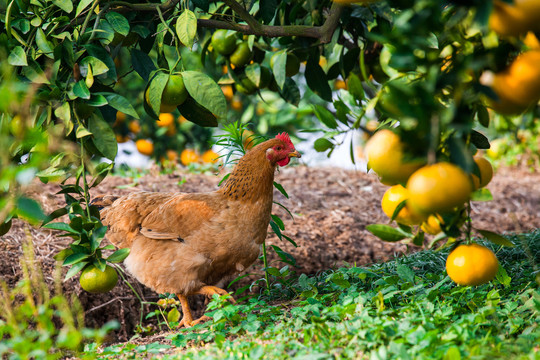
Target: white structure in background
(128, 154)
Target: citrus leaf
(82, 132)
(81, 90)
(102, 54)
(386, 233)
(65, 5)
(322, 144)
(483, 116)
(173, 315)
(253, 72)
(479, 140)
(279, 67)
(186, 28)
(325, 116)
(4, 227)
(142, 64)
(43, 44)
(17, 57)
(278, 221)
(30, 210)
(204, 90)
(482, 194)
(197, 114)
(118, 22)
(54, 215)
(75, 258)
(60, 226)
(103, 136)
(291, 92)
(98, 66)
(118, 256)
(316, 80)
(81, 6)
(281, 189)
(354, 84)
(268, 10)
(495, 238)
(155, 91)
(120, 103)
(74, 270)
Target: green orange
(94, 280)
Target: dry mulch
(332, 208)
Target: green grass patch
(407, 308)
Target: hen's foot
(211, 290)
(187, 321)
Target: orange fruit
(145, 147)
(172, 155)
(486, 172)
(472, 265)
(165, 120)
(390, 201)
(292, 64)
(531, 41)
(121, 138)
(384, 152)
(94, 280)
(134, 127)
(241, 56)
(438, 188)
(120, 118)
(188, 156)
(171, 130)
(518, 87)
(228, 92)
(340, 84)
(224, 41)
(237, 105)
(182, 119)
(249, 139)
(514, 19)
(210, 157)
(432, 225)
(174, 94)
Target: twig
(109, 302)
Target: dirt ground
(331, 208)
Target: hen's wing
(165, 216)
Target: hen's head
(280, 150)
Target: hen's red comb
(285, 138)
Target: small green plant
(37, 322)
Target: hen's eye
(279, 148)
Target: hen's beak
(295, 154)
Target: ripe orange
(237, 105)
(340, 84)
(134, 127)
(249, 139)
(384, 152)
(486, 172)
(472, 265)
(518, 87)
(390, 201)
(241, 56)
(171, 130)
(432, 225)
(120, 118)
(210, 157)
(172, 155)
(188, 156)
(121, 138)
(223, 42)
(531, 41)
(514, 19)
(228, 92)
(438, 188)
(165, 120)
(145, 147)
(94, 280)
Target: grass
(407, 308)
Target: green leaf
(206, 92)
(268, 10)
(155, 91)
(322, 144)
(74, 270)
(54, 215)
(253, 72)
(75, 258)
(17, 57)
(120, 103)
(30, 210)
(118, 256)
(387, 233)
(482, 194)
(63, 112)
(281, 189)
(483, 116)
(104, 137)
(81, 90)
(142, 64)
(197, 114)
(4, 227)
(316, 80)
(279, 67)
(43, 44)
(102, 54)
(60, 226)
(325, 116)
(278, 221)
(118, 22)
(34, 73)
(460, 155)
(98, 66)
(173, 315)
(65, 5)
(495, 238)
(291, 92)
(82, 132)
(83, 4)
(186, 28)
(354, 84)
(479, 140)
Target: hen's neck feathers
(253, 177)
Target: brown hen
(189, 244)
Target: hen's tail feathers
(103, 201)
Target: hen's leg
(187, 319)
(211, 290)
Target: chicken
(188, 243)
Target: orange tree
(429, 70)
